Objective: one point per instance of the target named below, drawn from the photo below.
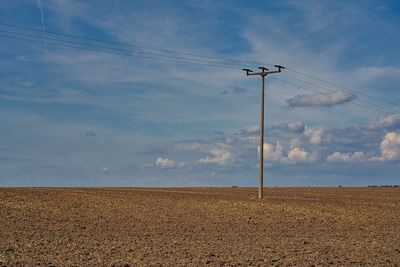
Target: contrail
(39, 4)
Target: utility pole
(263, 73)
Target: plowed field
(200, 227)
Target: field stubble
(199, 226)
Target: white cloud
(218, 153)
(390, 148)
(168, 163)
(314, 134)
(295, 155)
(219, 156)
(358, 156)
(271, 152)
(325, 100)
(388, 121)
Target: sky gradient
(80, 117)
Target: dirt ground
(199, 227)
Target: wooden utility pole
(263, 73)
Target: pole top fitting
(279, 67)
(263, 68)
(247, 71)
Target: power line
(114, 49)
(237, 61)
(151, 56)
(342, 87)
(129, 44)
(319, 92)
(324, 88)
(116, 53)
(164, 59)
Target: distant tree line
(385, 185)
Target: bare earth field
(199, 227)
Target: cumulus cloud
(307, 146)
(314, 134)
(219, 156)
(168, 163)
(387, 121)
(389, 151)
(358, 156)
(390, 148)
(272, 152)
(218, 153)
(295, 155)
(324, 100)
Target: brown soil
(200, 226)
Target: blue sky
(80, 117)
